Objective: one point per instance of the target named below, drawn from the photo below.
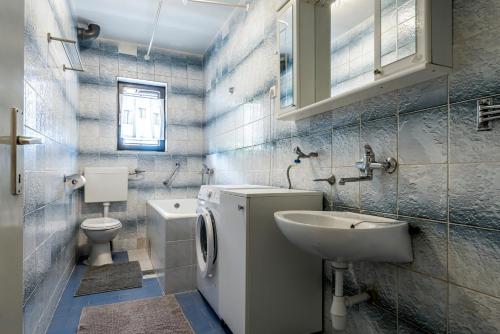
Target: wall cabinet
(333, 53)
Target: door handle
(16, 158)
(23, 140)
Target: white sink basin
(347, 236)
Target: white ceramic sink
(347, 236)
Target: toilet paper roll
(75, 182)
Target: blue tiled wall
(51, 103)
(183, 75)
(447, 184)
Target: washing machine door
(206, 242)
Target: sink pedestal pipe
(340, 302)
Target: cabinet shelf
(405, 78)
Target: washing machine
(208, 253)
(267, 284)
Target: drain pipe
(338, 311)
(92, 32)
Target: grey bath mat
(148, 316)
(110, 277)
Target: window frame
(162, 87)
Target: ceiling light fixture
(219, 3)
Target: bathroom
(366, 132)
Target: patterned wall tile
(367, 318)
(428, 94)
(345, 146)
(473, 312)
(346, 195)
(378, 277)
(473, 258)
(423, 191)
(385, 105)
(475, 57)
(473, 192)
(382, 136)
(423, 137)
(430, 247)
(422, 300)
(381, 193)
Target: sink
(347, 236)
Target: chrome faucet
(206, 171)
(368, 164)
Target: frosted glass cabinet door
(286, 49)
(398, 20)
(352, 44)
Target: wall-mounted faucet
(206, 171)
(368, 164)
(302, 155)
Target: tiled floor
(142, 256)
(67, 316)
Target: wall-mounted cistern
(368, 164)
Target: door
(11, 228)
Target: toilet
(103, 185)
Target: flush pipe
(106, 209)
(340, 303)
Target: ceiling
(189, 28)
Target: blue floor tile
(199, 313)
(67, 316)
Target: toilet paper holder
(76, 181)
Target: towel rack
(68, 45)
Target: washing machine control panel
(209, 194)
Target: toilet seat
(100, 224)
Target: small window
(141, 117)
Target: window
(141, 116)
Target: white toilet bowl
(100, 231)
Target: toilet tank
(106, 184)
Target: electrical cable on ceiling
(147, 56)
